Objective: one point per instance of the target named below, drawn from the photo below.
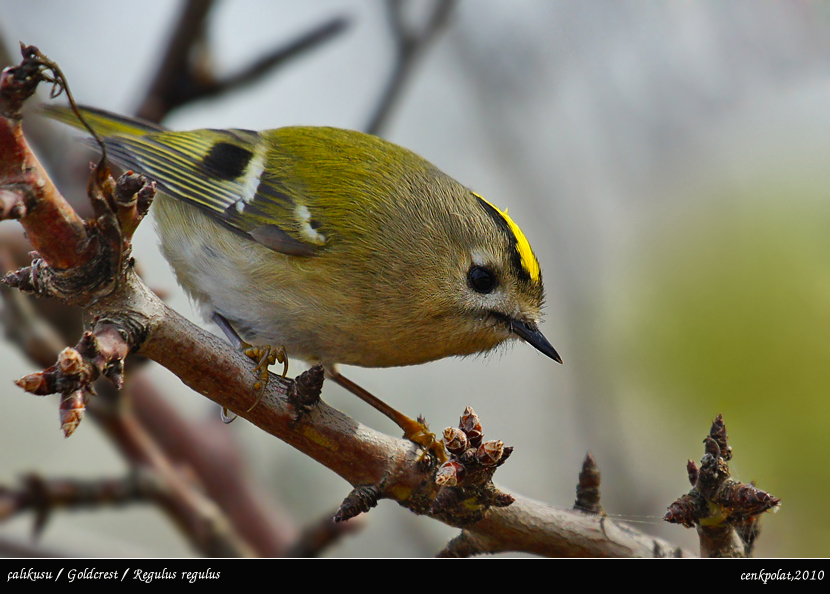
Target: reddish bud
(455, 440)
(70, 361)
(471, 426)
(490, 452)
(449, 474)
(72, 411)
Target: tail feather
(105, 123)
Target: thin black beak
(529, 332)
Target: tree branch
(725, 512)
(123, 309)
(186, 75)
(410, 44)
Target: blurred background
(667, 161)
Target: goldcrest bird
(337, 245)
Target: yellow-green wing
(226, 173)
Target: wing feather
(222, 172)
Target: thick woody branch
(363, 456)
(360, 455)
(79, 262)
(127, 317)
(185, 443)
(27, 194)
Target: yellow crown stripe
(529, 261)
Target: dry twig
(410, 44)
(186, 74)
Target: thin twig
(321, 535)
(267, 63)
(186, 75)
(410, 44)
(175, 70)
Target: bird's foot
(264, 357)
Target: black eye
(481, 279)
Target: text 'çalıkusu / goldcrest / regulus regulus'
(335, 244)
